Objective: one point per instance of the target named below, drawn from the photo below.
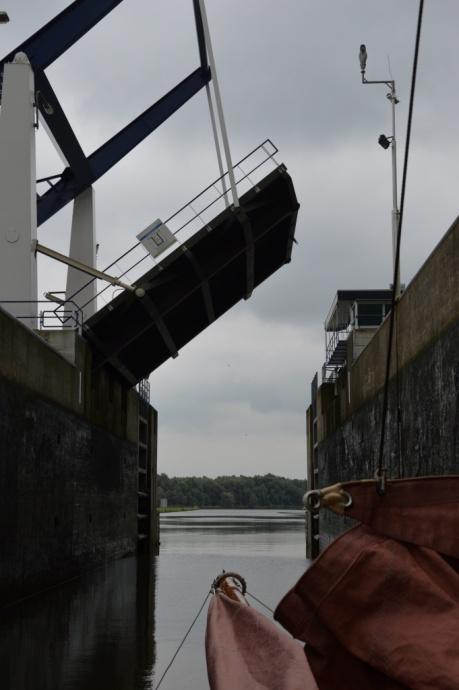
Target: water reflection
(276, 533)
(117, 628)
(94, 632)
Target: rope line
(260, 602)
(174, 656)
(381, 469)
(183, 641)
(399, 402)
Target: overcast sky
(234, 401)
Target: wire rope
(381, 470)
(260, 602)
(182, 642)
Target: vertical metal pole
(218, 102)
(217, 144)
(395, 211)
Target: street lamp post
(385, 142)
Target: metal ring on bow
(312, 500)
(220, 578)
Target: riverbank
(184, 509)
(260, 492)
(177, 509)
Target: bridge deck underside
(198, 282)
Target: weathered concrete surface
(26, 359)
(68, 463)
(426, 357)
(63, 341)
(429, 401)
(428, 308)
(69, 493)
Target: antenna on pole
(386, 142)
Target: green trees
(261, 491)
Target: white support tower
(18, 202)
(83, 249)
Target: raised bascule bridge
(183, 273)
(217, 248)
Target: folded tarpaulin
(246, 651)
(422, 510)
(379, 608)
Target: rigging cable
(260, 602)
(381, 471)
(399, 401)
(183, 641)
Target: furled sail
(419, 510)
(246, 651)
(379, 608)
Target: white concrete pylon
(83, 248)
(18, 202)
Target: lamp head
(384, 141)
(363, 57)
(4, 19)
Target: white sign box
(156, 238)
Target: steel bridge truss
(47, 45)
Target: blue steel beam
(59, 34)
(120, 145)
(200, 34)
(42, 49)
(48, 44)
(60, 127)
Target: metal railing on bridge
(184, 223)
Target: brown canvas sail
(246, 651)
(380, 607)
(378, 610)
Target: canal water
(116, 628)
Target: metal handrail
(333, 340)
(73, 315)
(264, 146)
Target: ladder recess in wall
(144, 506)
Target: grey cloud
(288, 71)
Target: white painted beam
(83, 249)
(18, 204)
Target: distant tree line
(260, 491)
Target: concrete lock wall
(349, 412)
(68, 463)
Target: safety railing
(65, 315)
(190, 218)
(330, 374)
(143, 389)
(334, 338)
(362, 315)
